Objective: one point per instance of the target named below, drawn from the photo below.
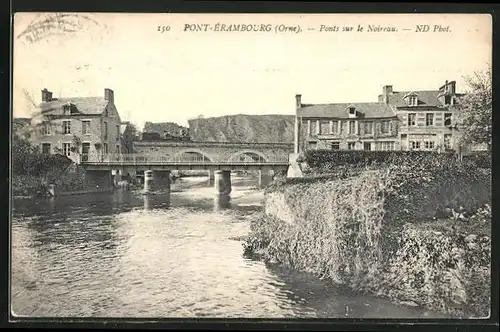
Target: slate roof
(85, 105)
(425, 98)
(365, 110)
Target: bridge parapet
(137, 158)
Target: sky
(178, 75)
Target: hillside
(243, 128)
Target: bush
(327, 218)
(352, 228)
(481, 160)
(441, 266)
(27, 185)
(326, 161)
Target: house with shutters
(399, 120)
(81, 128)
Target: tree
(475, 109)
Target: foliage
(443, 268)
(326, 236)
(358, 229)
(70, 181)
(326, 161)
(26, 158)
(419, 192)
(475, 110)
(75, 144)
(480, 159)
(27, 185)
(31, 169)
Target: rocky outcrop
(243, 128)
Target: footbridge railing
(180, 159)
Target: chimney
(452, 85)
(109, 95)
(386, 91)
(298, 101)
(46, 95)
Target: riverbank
(28, 186)
(420, 240)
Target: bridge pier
(222, 181)
(98, 180)
(265, 177)
(211, 177)
(161, 180)
(221, 202)
(156, 180)
(118, 176)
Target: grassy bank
(395, 231)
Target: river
(124, 254)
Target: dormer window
(67, 109)
(447, 100)
(352, 111)
(412, 101)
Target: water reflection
(152, 202)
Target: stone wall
(213, 151)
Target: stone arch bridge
(215, 152)
(219, 158)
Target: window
(415, 145)
(385, 127)
(412, 101)
(313, 127)
(429, 144)
(86, 127)
(412, 119)
(368, 126)
(351, 145)
(85, 151)
(447, 142)
(105, 148)
(117, 149)
(67, 109)
(447, 100)
(46, 128)
(352, 110)
(352, 127)
(66, 149)
(386, 146)
(105, 130)
(429, 119)
(46, 148)
(312, 145)
(367, 146)
(325, 127)
(335, 146)
(335, 127)
(447, 119)
(66, 127)
(117, 133)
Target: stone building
(81, 128)
(399, 120)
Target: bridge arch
(252, 153)
(177, 155)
